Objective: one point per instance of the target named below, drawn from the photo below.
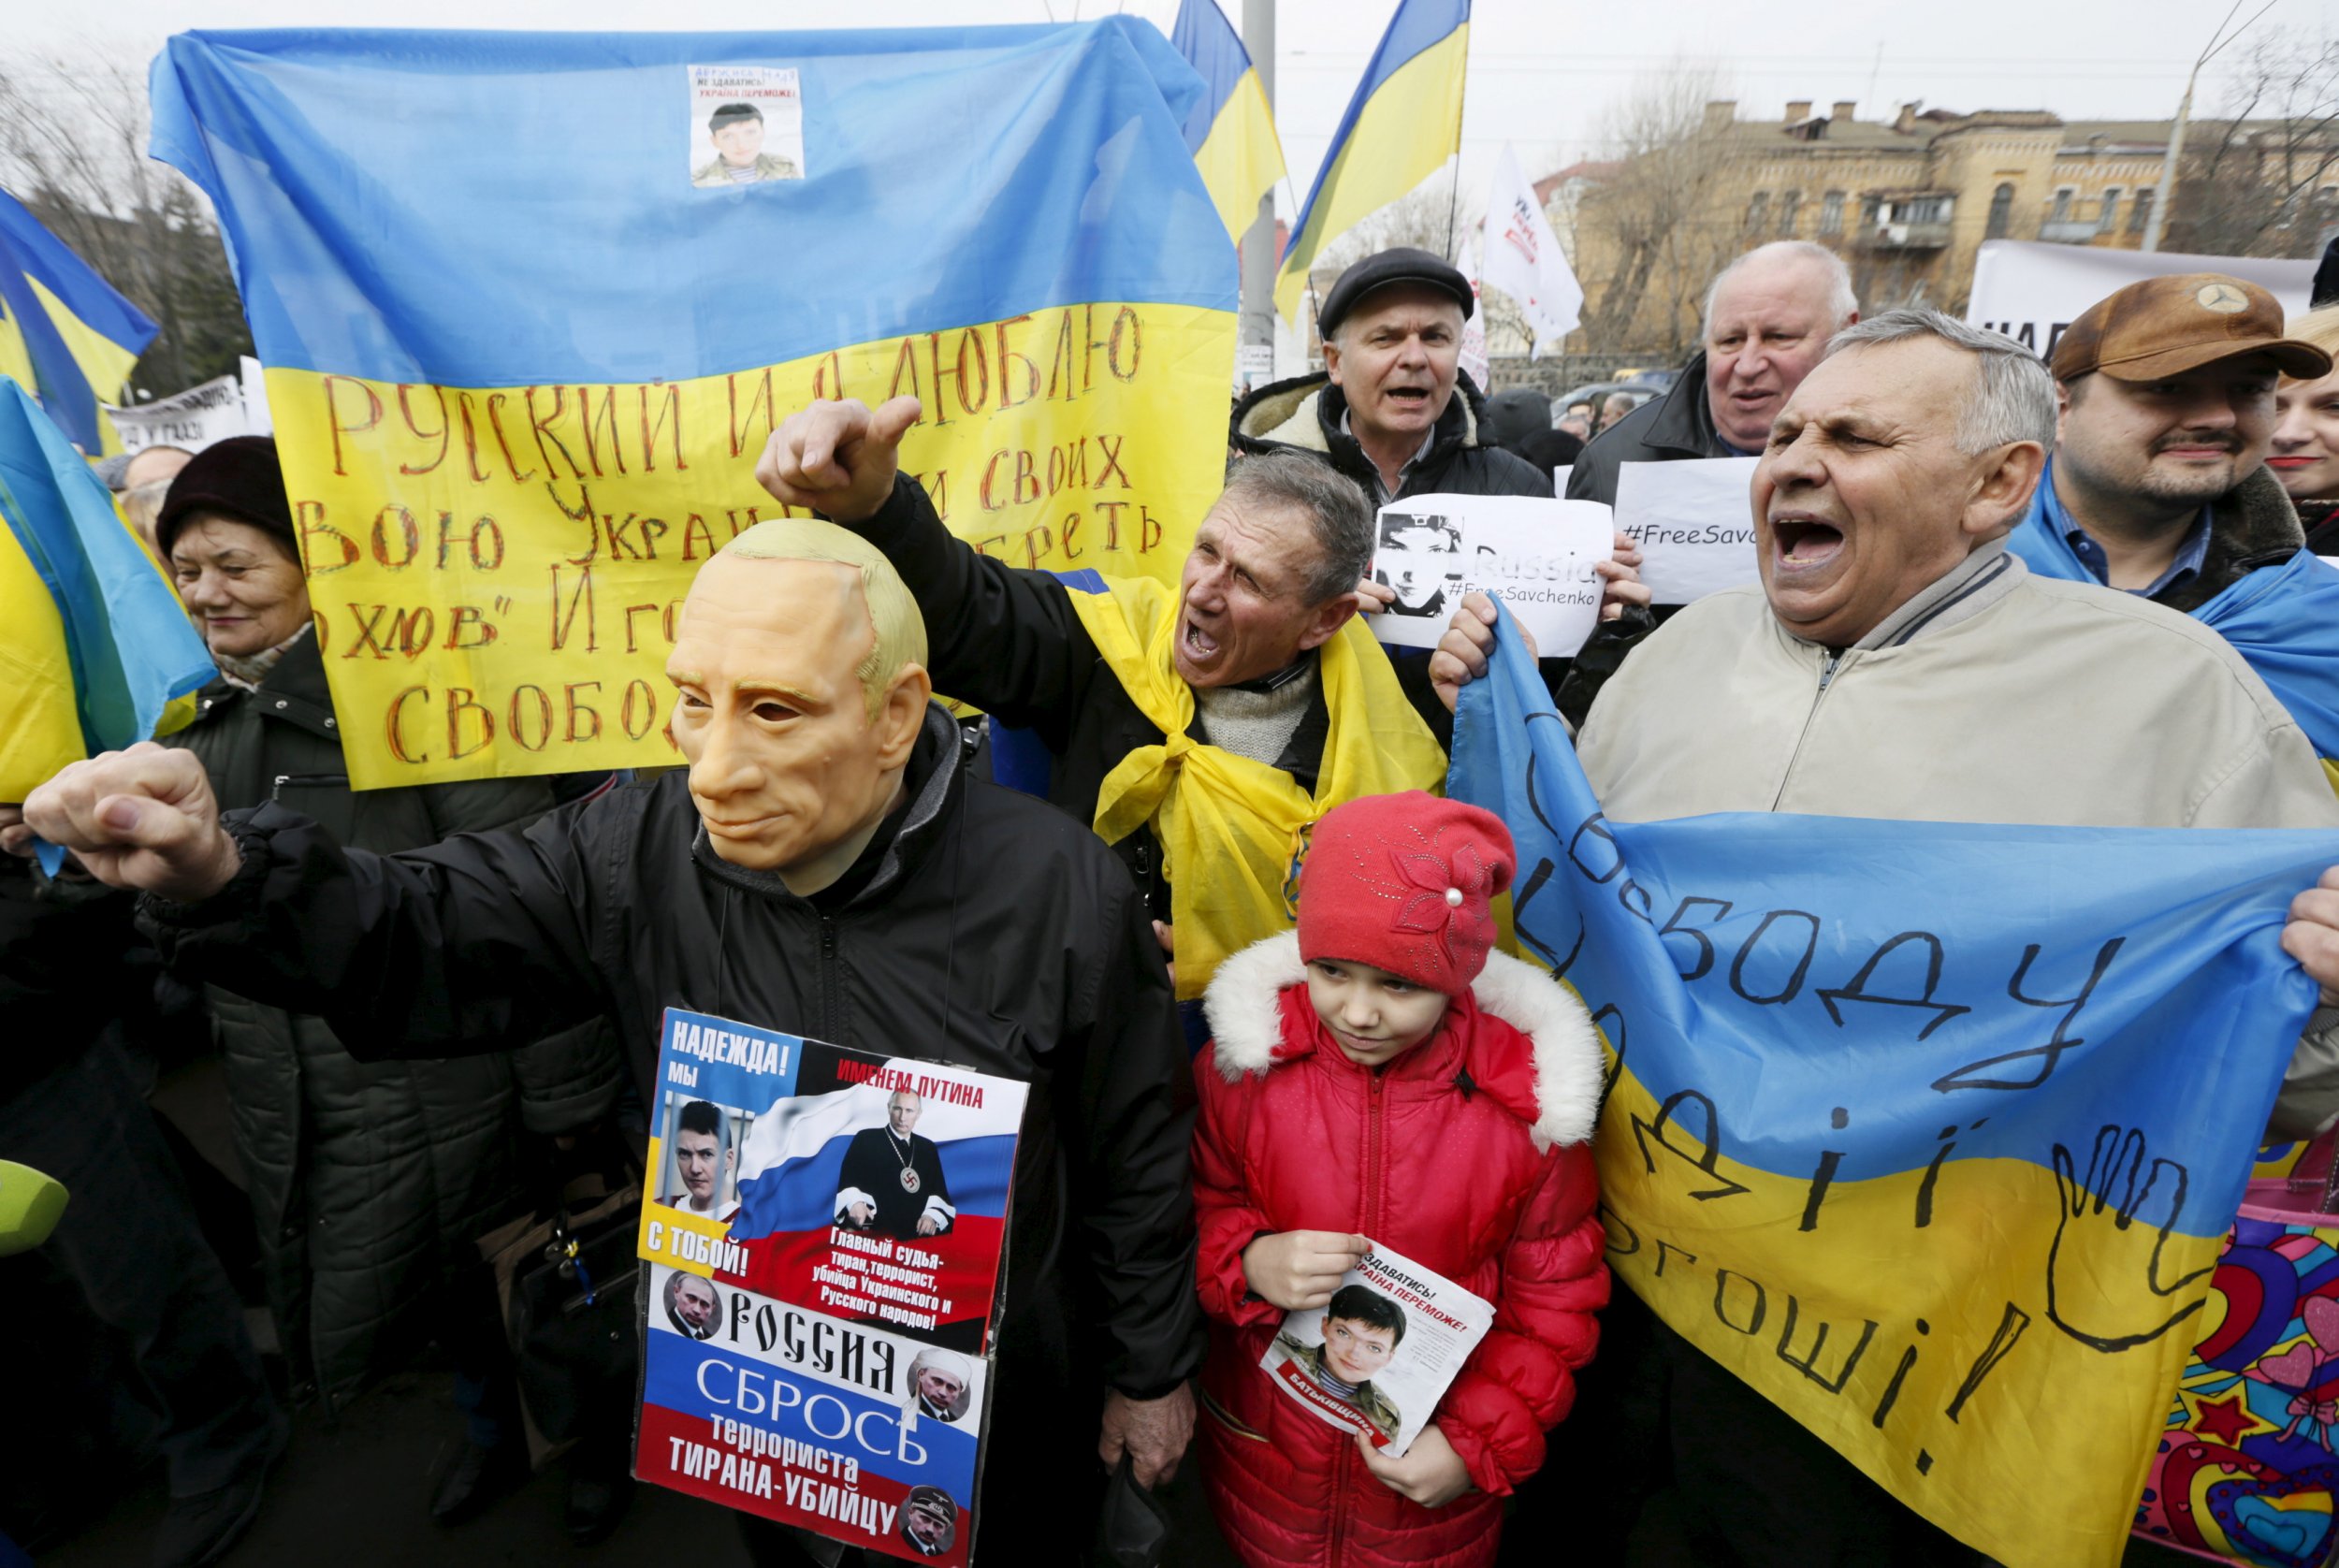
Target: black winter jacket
(990, 931)
(1663, 429)
(370, 1180)
(1304, 413)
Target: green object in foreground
(29, 1203)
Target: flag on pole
(1403, 124)
(63, 332)
(1231, 130)
(1521, 257)
(93, 642)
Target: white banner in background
(2031, 291)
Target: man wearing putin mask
(825, 866)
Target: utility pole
(2166, 192)
(1255, 356)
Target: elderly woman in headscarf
(370, 1182)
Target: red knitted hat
(1403, 882)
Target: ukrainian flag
(63, 332)
(92, 643)
(1231, 131)
(1404, 124)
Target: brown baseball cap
(2166, 326)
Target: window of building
(1757, 210)
(2001, 212)
(2110, 217)
(1871, 212)
(2062, 211)
(1790, 208)
(1831, 214)
(2140, 211)
(1924, 209)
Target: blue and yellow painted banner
(526, 338)
(65, 332)
(1927, 1132)
(1403, 122)
(94, 644)
(1230, 127)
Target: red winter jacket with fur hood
(1468, 1154)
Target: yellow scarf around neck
(1231, 830)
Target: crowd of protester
(429, 1002)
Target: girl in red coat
(1380, 1079)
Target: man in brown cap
(2157, 486)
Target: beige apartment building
(1906, 202)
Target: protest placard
(746, 125)
(1378, 1356)
(860, 1185)
(1692, 523)
(1536, 555)
(2031, 290)
(825, 1228)
(857, 1434)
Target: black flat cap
(1403, 265)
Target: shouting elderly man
(1897, 660)
(1201, 730)
(827, 866)
(1767, 319)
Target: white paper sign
(1559, 478)
(191, 420)
(1537, 556)
(1692, 523)
(746, 126)
(2031, 291)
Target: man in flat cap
(1393, 410)
(2158, 485)
(737, 132)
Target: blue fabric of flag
(1418, 25)
(1209, 43)
(27, 252)
(131, 644)
(326, 152)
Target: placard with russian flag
(866, 1187)
(858, 1435)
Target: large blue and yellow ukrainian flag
(1401, 126)
(92, 643)
(1928, 1132)
(63, 332)
(1232, 129)
(525, 337)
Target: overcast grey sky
(1540, 71)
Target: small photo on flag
(746, 125)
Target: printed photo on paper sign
(746, 125)
(1537, 556)
(866, 1187)
(1380, 1355)
(848, 1429)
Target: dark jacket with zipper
(980, 928)
(368, 1180)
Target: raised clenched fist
(143, 819)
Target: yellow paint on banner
(1909, 1321)
(497, 573)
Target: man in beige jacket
(1898, 661)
